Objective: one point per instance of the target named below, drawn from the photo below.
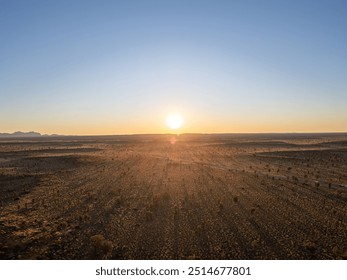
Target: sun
(174, 121)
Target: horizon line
(11, 135)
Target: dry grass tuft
(102, 248)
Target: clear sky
(119, 67)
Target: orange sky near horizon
(192, 124)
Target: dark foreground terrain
(264, 196)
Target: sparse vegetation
(102, 248)
(144, 198)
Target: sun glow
(174, 121)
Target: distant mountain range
(22, 134)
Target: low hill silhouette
(21, 134)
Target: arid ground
(232, 196)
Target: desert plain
(189, 196)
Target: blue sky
(115, 67)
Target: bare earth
(281, 196)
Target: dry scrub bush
(310, 246)
(149, 216)
(102, 248)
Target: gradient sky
(121, 67)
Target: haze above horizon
(123, 67)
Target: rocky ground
(174, 197)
